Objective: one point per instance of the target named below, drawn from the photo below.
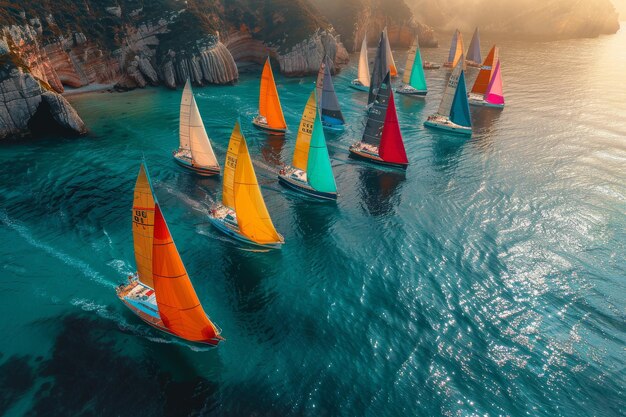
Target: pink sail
(495, 94)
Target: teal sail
(319, 171)
(460, 112)
(418, 80)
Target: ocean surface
(489, 279)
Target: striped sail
(414, 71)
(201, 150)
(228, 182)
(364, 67)
(303, 140)
(448, 94)
(269, 103)
(376, 114)
(252, 215)
(178, 304)
(319, 170)
(143, 226)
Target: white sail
(185, 107)
(410, 59)
(448, 94)
(364, 68)
(201, 149)
(390, 61)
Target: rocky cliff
(355, 19)
(526, 19)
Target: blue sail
(319, 170)
(460, 112)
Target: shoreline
(89, 88)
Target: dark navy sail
(381, 68)
(328, 104)
(376, 114)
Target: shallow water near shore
(489, 279)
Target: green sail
(319, 171)
(418, 81)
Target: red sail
(391, 146)
(177, 301)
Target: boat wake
(82, 266)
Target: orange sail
(179, 307)
(252, 215)
(269, 103)
(228, 185)
(143, 225)
(484, 76)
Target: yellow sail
(143, 226)
(303, 140)
(228, 186)
(252, 215)
(269, 103)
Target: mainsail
(178, 304)
(391, 145)
(460, 112)
(379, 71)
(473, 52)
(364, 67)
(495, 93)
(319, 169)
(456, 49)
(484, 76)
(303, 140)
(143, 226)
(228, 186)
(201, 150)
(448, 94)
(183, 121)
(326, 96)
(269, 103)
(393, 71)
(376, 114)
(414, 71)
(252, 215)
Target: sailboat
(195, 151)
(328, 105)
(362, 83)
(382, 139)
(381, 68)
(483, 79)
(393, 71)
(453, 114)
(456, 50)
(494, 97)
(474, 58)
(161, 293)
(270, 118)
(242, 214)
(414, 81)
(311, 172)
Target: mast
(228, 185)
(485, 74)
(252, 215)
(201, 149)
(460, 112)
(364, 67)
(376, 114)
(450, 91)
(178, 304)
(143, 225)
(184, 114)
(303, 140)
(391, 145)
(319, 170)
(269, 103)
(379, 71)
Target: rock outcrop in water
(525, 19)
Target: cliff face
(355, 19)
(527, 19)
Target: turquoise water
(487, 280)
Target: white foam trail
(66, 259)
